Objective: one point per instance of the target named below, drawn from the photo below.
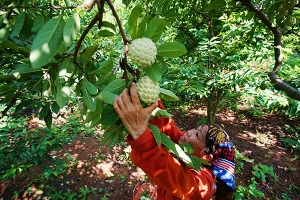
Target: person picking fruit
(173, 178)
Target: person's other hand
(131, 112)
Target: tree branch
(278, 83)
(98, 17)
(123, 62)
(85, 32)
(43, 7)
(281, 85)
(125, 39)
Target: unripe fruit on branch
(88, 4)
(148, 90)
(142, 52)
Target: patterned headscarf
(220, 146)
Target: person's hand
(131, 112)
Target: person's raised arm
(131, 111)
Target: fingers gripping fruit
(142, 52)
(148, 90)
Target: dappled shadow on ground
(98, 172)
(94, 172)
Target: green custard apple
(148, 90)
(142, 52)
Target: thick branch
(281, 85)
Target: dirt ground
(97, 172)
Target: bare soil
(103, 173)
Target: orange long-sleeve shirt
(173, 179)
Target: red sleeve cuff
(144, 143)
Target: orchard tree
(281, 18)
(53, 51)
(222, 36)
(47, 59)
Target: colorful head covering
(220, 146)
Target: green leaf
(47, 42)
(163, 66)
(160, 113)
(48, 119)
(67, 3)
(142, 22)
(3, 18)
(55, 107)
(25, 33)
(216, 4)
(105, 33)
(197, 162)
(71, 28)
(133, 21)
(114, 134)
(44, 112)
(18, 25)
(4, 32)
(155, 29)
(91, 88)
(172, 13)
(66, 68)
(23, 69)
(109, 25)
(156, 133)
(38, 23)
(116, 86)
(262, 176)
(95, 116)
(175, 148)
(171, 49)
(105, 79)
(126, 2)
(88, 99)
(167, 95)
(87, 54)
(107, 97)
(153, 72)
(9, 44)
(62, 93)
(109, 115)
(104, 68)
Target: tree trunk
(213, 102)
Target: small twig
(82, 70)
(123, 62)
(3, 191)
(85, 32)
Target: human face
(197, 139)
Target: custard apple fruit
(148, 90)
(142, 52)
